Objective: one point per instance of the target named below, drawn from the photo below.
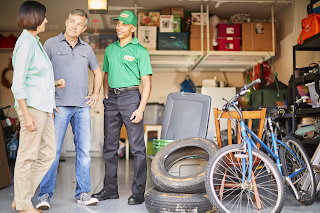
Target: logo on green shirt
(129, 58)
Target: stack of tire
(180, 194)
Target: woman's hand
(30, 123)
(61, 83)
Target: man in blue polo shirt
(126, 64)
(71, 57)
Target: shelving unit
(219, 61)
(311, 44)
(215, 61)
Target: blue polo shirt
(125, 65)
(72, 65)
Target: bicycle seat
(272, 110)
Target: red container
(229, 29)
(228, 44)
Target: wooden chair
(247, 115)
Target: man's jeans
(80, 120)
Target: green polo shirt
(125, 65)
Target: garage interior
(228, 69)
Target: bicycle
(279, 132)
(242, 178)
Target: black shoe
(136, 198)
(103, 195)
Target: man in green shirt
(126, 64)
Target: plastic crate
(153, 113)
(228, 44)
(229, 29)
(107, 39)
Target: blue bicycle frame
(248, 140)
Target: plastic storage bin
(107, 39)
(186, 115)
(229, 30)
(173, 41)
(153, 113)
(228, 44)
(315, 102)
(92, 39)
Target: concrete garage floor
(63, 200)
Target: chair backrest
(186, 115)
(247, 115)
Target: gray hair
(79, 12)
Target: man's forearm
(105, 84)
(97, 81)
(146, 91)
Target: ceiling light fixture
(98, 6)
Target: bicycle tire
(279, 133)
(306, 186)
(241, 199)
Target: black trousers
(118, 109)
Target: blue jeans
(80, 120)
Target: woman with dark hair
(33, 89)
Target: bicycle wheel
(228, 193)
(304, 182)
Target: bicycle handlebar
(5, 107)
(242, 91)
(253, 83)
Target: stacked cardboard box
(196, 18)
(257, 37)
(5, 179)
(195, 37)
(149, 19)
(170, 23)
(147, 37)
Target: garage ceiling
(58, 10)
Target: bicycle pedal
(241, 156)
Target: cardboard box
(107, 39)
(3, 152)
(195, 31)
(177, 11)
(149, 19)
(147, 36)
(92, 39)
(173, 41)
(195, 44)
(170, 23)
(258, 33)
(196, 18)
(5, 178)
(165, 11)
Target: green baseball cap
(127, 17)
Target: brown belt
(123, 89)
